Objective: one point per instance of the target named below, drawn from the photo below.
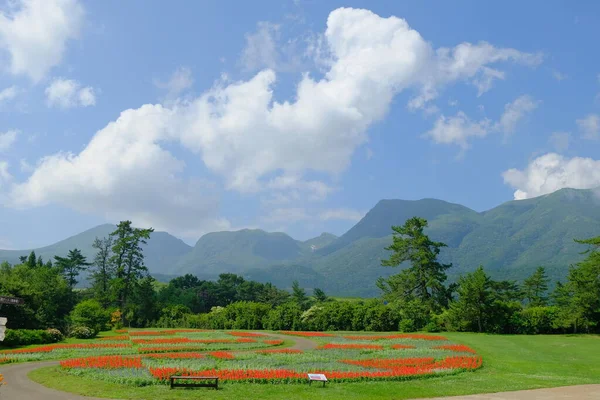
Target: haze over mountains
(510, 241)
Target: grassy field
(510, 363)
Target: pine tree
(424, 279)
(535, 288)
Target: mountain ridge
(510, 240)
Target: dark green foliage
(91, 314)
(319, 295)
(71, 265)
(535, 288)
(102, 269)
(579, 297)
(423, 280)
(299, 296)
(48, 298)
(285, 317)
(474, 301)
(24, 337)
(128, 261)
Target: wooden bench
(195, 384)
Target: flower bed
(214, 353)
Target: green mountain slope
(161, 252)
(236, 252)
(457, 220)
(510, 240)
(324, 239)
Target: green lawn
(510, 363)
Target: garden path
(580, 392)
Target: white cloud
(485, 81)
(288, 215)
(560, 141)
(559, 76)
(34, 34)
(5, 176)
(296, 214)
(458, 130)
(551, 172)
(124, 173)
(590, 126)
(25, 166)
(67, 93)
(261, 48)
(8, 94)
(369, 153)
(7, 139)
(180, 81)
(254, 142)
(344, 214)
(265, 49)
(468, 62)
(514, 112)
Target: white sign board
(3, 322)
(317, 377)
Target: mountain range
(510, 241)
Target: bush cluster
(23, 337)
(82, 332)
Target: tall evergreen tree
(299, 295)
(71, 265)
(128, 261)
(424, 279)
(474, 298)
(103, 270)
(535, 288)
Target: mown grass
(510, 363)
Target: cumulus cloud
(514, 112)
(34, 34)
(261, 48)
(296, 214)
(459, 129)
(265, 49)
(5, 176)
(68, 93)
(180, 81)
(124, 173)
(467, 62)
(551, 172)
(590, 126)
(7, 139)
(8, 94)
(252, 141)
(344, 214)
(560, 141)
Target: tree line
(122, 293)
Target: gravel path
(581, 392)
(20, 387)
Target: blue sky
(295, 116)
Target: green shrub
(83, 332)
(90, 313)
(23, 337)
(55, 334)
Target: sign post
(15, 301)
(3, 322)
